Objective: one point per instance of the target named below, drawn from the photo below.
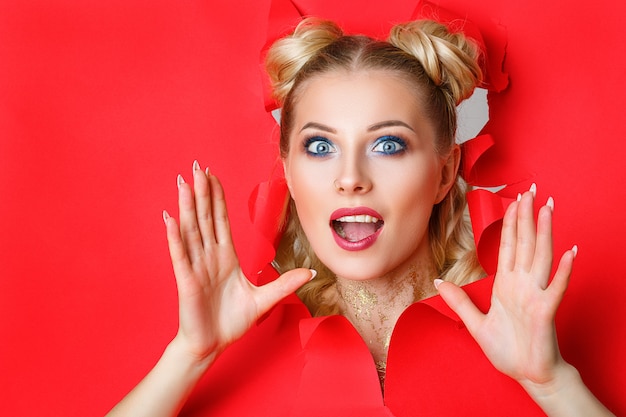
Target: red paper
(295, 365)
(102, 104)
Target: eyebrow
(389, 123)
(318, 126)
(374, 127)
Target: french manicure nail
(313, 274)
(575, 250)
(550, 203)
(166, 216)
(179, 180)
(519, 197)
(207, 171)
(437, 282)
(533, 190)
(196, 165)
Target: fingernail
(196, 165)
(313, 274)
(437, 282)
(166, 216)
(179, 180)
(519, 197)
(575, 250)
(533, 190)
(550, 203)
(207, 171)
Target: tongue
(358, 231)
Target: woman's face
(363, 172)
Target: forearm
(166, 387)
(566, 396)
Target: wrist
(187, 358)
(168, 385)
(565, 394)
(564, 375)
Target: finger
(526, 233)
(542, 263)
(189, 229)
(458, 300)
(220, 213)
(559, 283)
(202, 194)
(508, 239)
(178, 253)
(271, 293)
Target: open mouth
(355, 228)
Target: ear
(449, 171)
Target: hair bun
(449, 59)
(287, 56)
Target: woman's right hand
(217, 303)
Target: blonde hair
(443, 68)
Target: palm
(217, 304)
(518, 334)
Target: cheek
(414, 182)
(306, 183)
(306, 173)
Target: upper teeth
(361, 218)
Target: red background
(104, 103)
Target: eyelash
(393, 139)
(399, 142)
(310, 141)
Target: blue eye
(319, 146)
(389, 145)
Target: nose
(353, 178)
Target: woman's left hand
(518, 333)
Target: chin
(357, 269)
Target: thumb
(271, 293)
(458, 300)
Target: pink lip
(355, 211)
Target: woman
(367, 143)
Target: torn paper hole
(472, 115)
(490, 189)
(276, 115)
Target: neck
(374, 306)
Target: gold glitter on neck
(359, 299)
(373, 307)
